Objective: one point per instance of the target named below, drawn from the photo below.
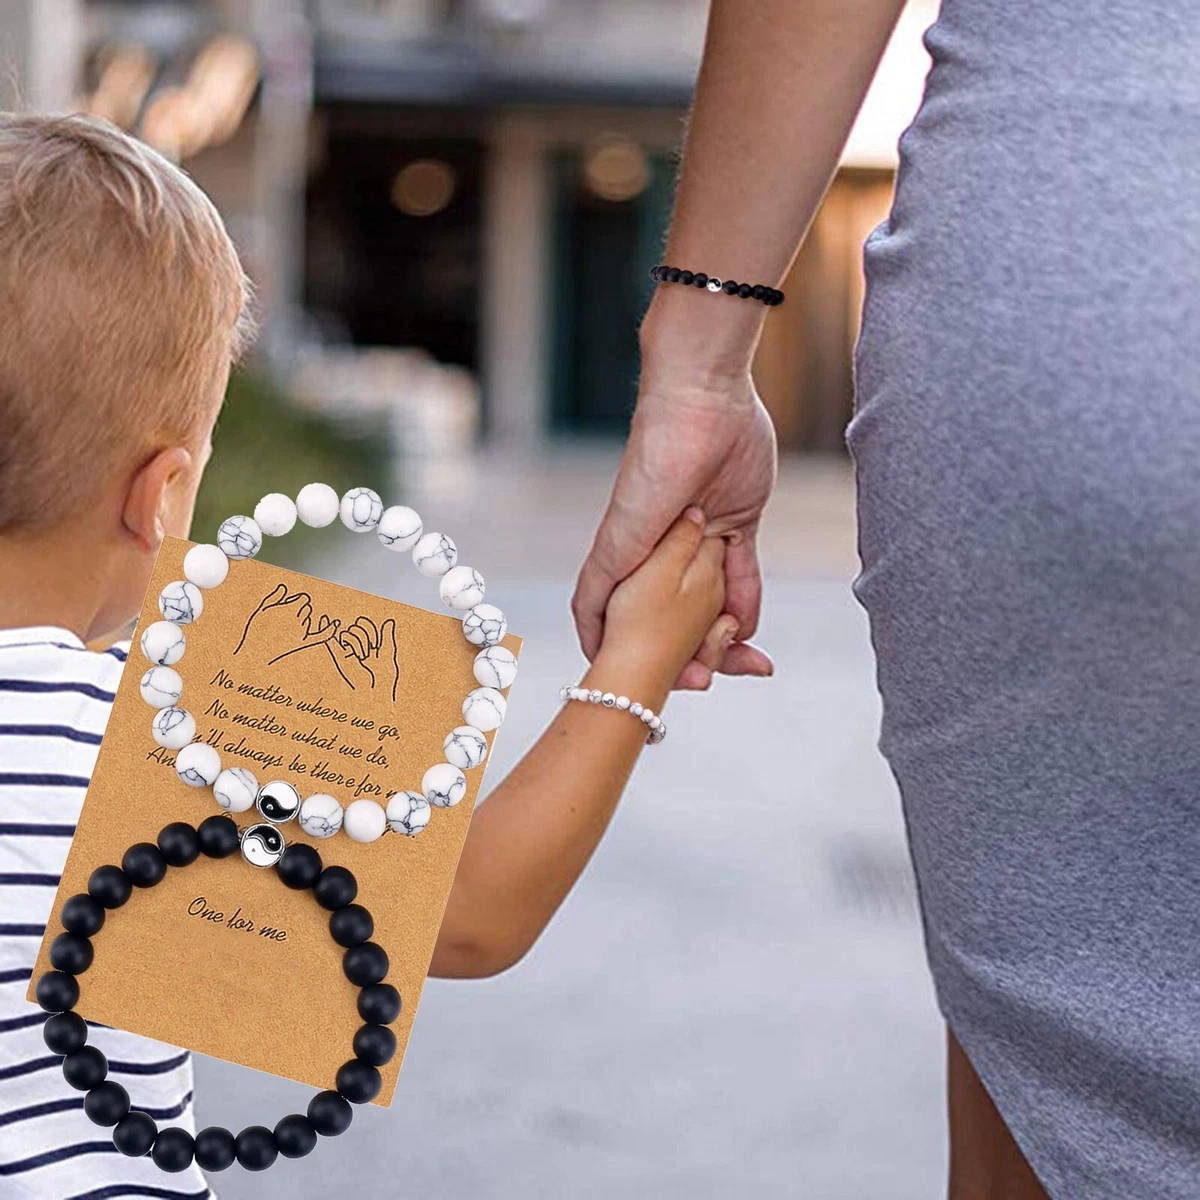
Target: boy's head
(122, 306)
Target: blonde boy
(121, 307)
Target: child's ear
(149, 495)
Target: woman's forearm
(779, 87)
(531, 840)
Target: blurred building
(486, 181)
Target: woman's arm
(779, 87)
(529, 843)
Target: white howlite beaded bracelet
(650, 719)
(321, 815)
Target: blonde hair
(121, 298)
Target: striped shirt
(55, 697)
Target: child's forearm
(531, 840)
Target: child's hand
(668, 608)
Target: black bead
(365, 964)
(729, 287)
(300, 866)
(330, 1113)
(673, 274)
(295, 1136)
(82, 915)
(744, 291)
(256, 1148)
(777, 298)
(64, 1033)
(758, 291)
(686, 277)
(85, 1069)
(700, 279)
(351, 925)
(173, 1150)
(215, 1149)
(144, 864)
(358, 1081)
(768, 295)
(179, 844)
(379, 1004)
(106, 1104)
(58, 992)
(135, 1134)
(336, 888)
(71, 953)
(375, 1044)
(218, 837)
(109, 886)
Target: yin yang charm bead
(278, 802)
(240, 537)
(262, 845)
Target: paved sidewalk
(734, 1001)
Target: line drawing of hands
(365, 655)
(283, 619)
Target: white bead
(161, 687)
(496, 666)
(647, 715)
(235, 789)
(465, 747)
(400, 528)
(180, 602)
(484, 708)
(594, 695)
(364, 821)
(163, 643)
(321, 816)
(636, 709)
(408, 813)
(198, 765)
(434, 554)
(444, 785)
(623, 703)
(317, 505)
(240, 537)
(206, 565)
(173, 728)
(275, 514)
(484, 625)
(578, 693)
(461, 588)
(656, 723)
(360, 509)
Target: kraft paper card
(221, 957)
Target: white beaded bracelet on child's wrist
(651, 720)
(199, 765)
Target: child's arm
(529, 843)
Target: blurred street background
(448, 209)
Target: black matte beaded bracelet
(747, 291)
(86, 1069)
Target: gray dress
(1028, 451)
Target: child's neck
(49, 578)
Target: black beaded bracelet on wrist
(86, 1069)
(757, 291)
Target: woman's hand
(712, 446)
